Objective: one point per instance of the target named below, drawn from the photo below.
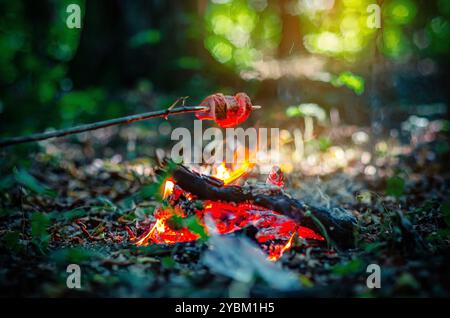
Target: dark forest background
(135, 56)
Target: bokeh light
(240, 32)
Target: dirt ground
(70, 202)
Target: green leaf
(30, 182)
(445, 209)
(12, 241)
(150, 36)
(40, 223)
(395, 186)
(194, 225)
(354, 82)
(107, 203)
(408, 280)
(324, 143)
(372, 247)
(149, 191)
(305, 281)
(67, 215)
(75, 255)
(293, 111)
(6, 182)
(167, 262)
(354, 266)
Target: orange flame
(158, 227)
(168, 188)
(228, 176)
(228, 218)
(275, 256)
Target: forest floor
(68, 205)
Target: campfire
(275, 232)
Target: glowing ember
(275, 232)
(162, 233)
(158, 226)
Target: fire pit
(277, 218)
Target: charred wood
(337, 223)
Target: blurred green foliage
(74, 255)
(350, 80)
(145, 37)
(40, 222)
(35, 46)
(137, 56)
(395, 186)
(11, 240)
(307, 110)
(27, 180)
(354, 266)
(240, 32)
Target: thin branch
(101, 124)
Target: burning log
(335, 223)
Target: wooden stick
(339, 226)
(101, 124)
